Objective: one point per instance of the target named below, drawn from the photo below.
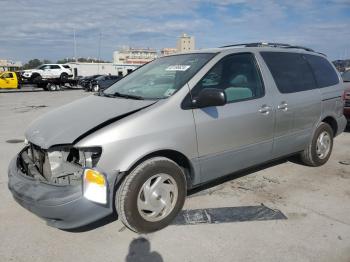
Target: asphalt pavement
(282, 211)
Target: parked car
(346, 79)
(85, 82)
(102, 82)
(48, 71)
(10, 80)
(146, 142)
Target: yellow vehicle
(9, 80)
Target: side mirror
(210, 97)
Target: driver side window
(7, 75)
(237, 75)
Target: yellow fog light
(95, 186)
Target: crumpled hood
(67, 123)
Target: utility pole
(75, 48)
(99, 53)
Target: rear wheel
(151, 196)
(52, 87)
(320, 148)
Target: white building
(185, 43)
(168, 51)
(88, 69)
(6, 65)
(134, 56)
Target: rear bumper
(60, 206)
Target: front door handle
(283, 106)
(265, 109)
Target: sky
(44, 29)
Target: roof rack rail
(264, 44)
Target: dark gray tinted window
(323, 70)
(55, 67)
(291, 71)
(237, 75)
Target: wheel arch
(332, 122)
(176, 156)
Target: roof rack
(263, 44)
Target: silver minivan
(172, 125)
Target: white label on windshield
(177, 68)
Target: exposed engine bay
(60, 165)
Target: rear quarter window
(291, 71)
(324, 72)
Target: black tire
(309, 156)
(51, 87)
(36, 78)
(128, 193)
(64, 77)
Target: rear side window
(291, 71)
(324, 72)
(66, 66)
(55, 67)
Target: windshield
(346, 76)
(40, 67)
(161, 78)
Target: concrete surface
(314, 200)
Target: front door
(240, 133)
(8, 80)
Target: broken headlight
(66, 163)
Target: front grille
(38, 157)
(347, 103)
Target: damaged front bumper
(61, 206)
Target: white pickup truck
(48, 71)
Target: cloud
(45, 29)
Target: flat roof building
(10, 65)
(185, 43)
(134, 56)
(168, 51)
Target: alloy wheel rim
(157, 197)
(323, 145)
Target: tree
(32, 64)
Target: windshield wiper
(128, 96)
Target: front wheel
(151, 196)
(64, 77)
(320, 148)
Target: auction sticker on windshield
(177, 68)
